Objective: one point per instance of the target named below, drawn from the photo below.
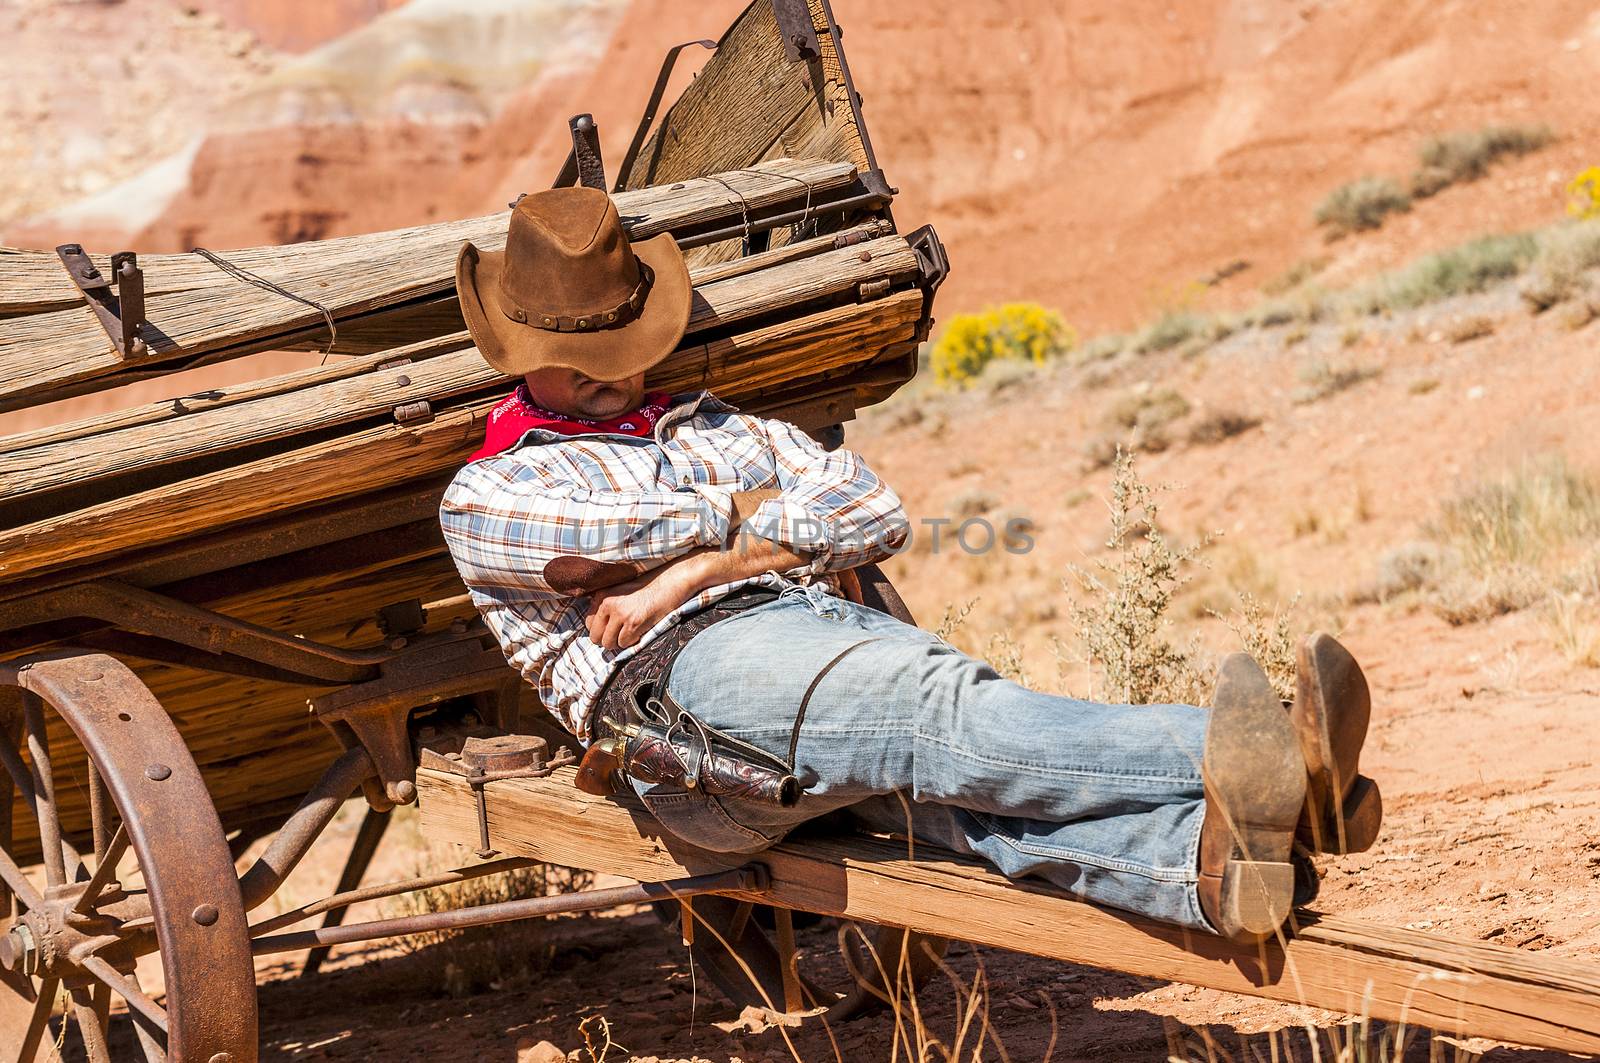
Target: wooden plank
(374, 458)
(196, 308)
(1463, 988)
(362, 391)
(737, 106)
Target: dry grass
(1220, 425)
(1322, 378)
(1503, 545)
(1361, 205)
(1467, 155)
(480, 958)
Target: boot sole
(1338, 705)
(1255, 774)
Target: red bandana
(514, 415)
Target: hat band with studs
(621, 314)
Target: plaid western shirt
(631, 499)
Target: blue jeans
(1104, 801)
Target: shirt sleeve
(504, 521)
(831, 505)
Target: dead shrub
(1218, 426)
(1269, 637)
(478, 958)
(1468, 329)
(1361, 205)
(1120, 607)
(1503, 545)
(1320, 379)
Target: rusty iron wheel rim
(186, 906)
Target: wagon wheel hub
(55, 939)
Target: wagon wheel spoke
(144, 1010)
(21, 778)
(44, 786)
(39, 1022)
(91, 1026)
(106, 871)
(153, 1051)
(18, 882)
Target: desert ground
(1408, 463)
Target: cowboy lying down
(669, 573)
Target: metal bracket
(375, 715)
(583, 165)
(934, 266)
(121, 315)
(799, 33)
(649, 115)
(483, 759)
(419, 412)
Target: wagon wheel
(748, 963)
(82, 730)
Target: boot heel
(1256, 898)
(1362, 815)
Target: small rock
(542, 1052)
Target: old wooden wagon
(224, 614)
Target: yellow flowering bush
(1583, 194)
(1021, 331)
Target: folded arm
(505, 524)
(830, 506)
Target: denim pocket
(700, 819)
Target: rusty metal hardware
(650, 107)
(419, 412)
(160, 617)
(482, 760)
(399, 619)
(294, 839)
(122, 315)
(583, 165)
(934, 266)
(867, 291)
(751, 878)
(870, 231)
(798, 32)
(868, 192)
(374, 715)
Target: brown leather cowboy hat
(570, 290)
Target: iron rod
(747, 879)
(135, 997)
(153, 1052)
(94, 1035)
(100, 809)
(292, 842)
(44, 784)
(105, 871)
(373, 825)
(388, 889)
(14, 878)
(43, 1005)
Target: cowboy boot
(1255, 789)
(1331, 708)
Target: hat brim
(604, 354)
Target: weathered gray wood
(376, 458)
(196, 308)
(345, 394)
(1464, 988)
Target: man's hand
(620, 615)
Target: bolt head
(206, 914)
(405, 791)
(222, 1057)
(158, 772)
(11, 950)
